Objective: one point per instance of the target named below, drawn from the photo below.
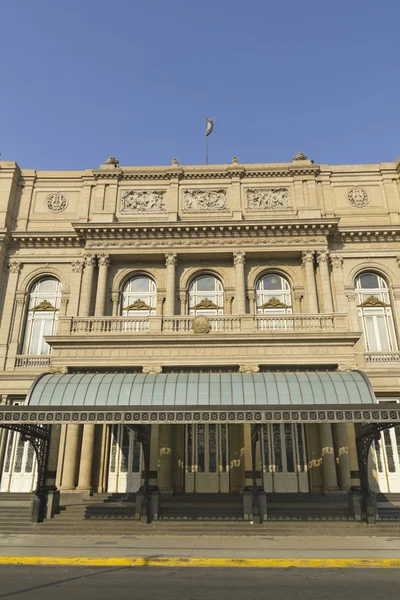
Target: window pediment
(274, 303)
(45, 305)
(373, 302)
(206, 303)
(138, 305)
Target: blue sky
(82, 80)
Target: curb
(90, 561)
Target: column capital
(239, 257)
(337, 262)
(398, 260)
(90, 260)
(307, 256)
(104, 260)
(171, 258)
(78, 265)
(322, 256)
(14, 266)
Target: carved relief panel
(143, 201)
(267, 199)
(204, 200)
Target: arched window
(375, 313)
(206, 296)
(43, 309)
(139, 297)
(273, 295)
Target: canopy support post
(366, 433)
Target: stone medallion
(56, 202)
(358, 197)
(201, 324)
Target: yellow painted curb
(92, 561)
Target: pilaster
(322, 259)
(311, 289)
(170, 262)
(239, 259)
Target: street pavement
(147, 583)
(249, 547)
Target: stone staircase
(192, 514)
(15, 511)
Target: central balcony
(212, 325)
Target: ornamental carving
(45, 305)
(358, 197)
(322, 256)
(56, 202)
(337, 262)
(111, 160)
(373, 302)
(171, 259)
(268, 199)
(204, 200)
(274, 303)
(90, 260)
(14, 266)
(138, 305)
(104, 260)
(249, 369)
(201, 324)
(152, 369)
(307, 256)
(239, 258)
(300, 156)
(206, 304)
(78, 265)
(146, 201)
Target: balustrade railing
(297, 322)
(246, 324)
(95, 325)
(217, 323)
(381, 357)
(32, 362)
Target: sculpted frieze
(214, 242)
(145, 201)
(268, 199)
(204, 200)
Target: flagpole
(206, 149)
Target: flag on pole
(209, 125)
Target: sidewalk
(199, 547)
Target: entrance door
(284, 458)
(207, 459)
(124, 475)
(19, 468)
(386, 455)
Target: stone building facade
(197, 271)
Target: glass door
(207, 459)
(125, 468)
(284, 462)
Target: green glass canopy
(324, 388)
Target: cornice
(380, 233)
(106, 172)
(38, 240)
(192, 230)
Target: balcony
(213, 325)
(381, 358)
(32, 361)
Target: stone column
(170, 262)
(86, 463)
(87, 286)
(183, 301)
(239, 259)
(343, 456)
(311, 290)
(71, 459)
(328, 458)
(338, 282)
(322, 259)
(104, 263)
